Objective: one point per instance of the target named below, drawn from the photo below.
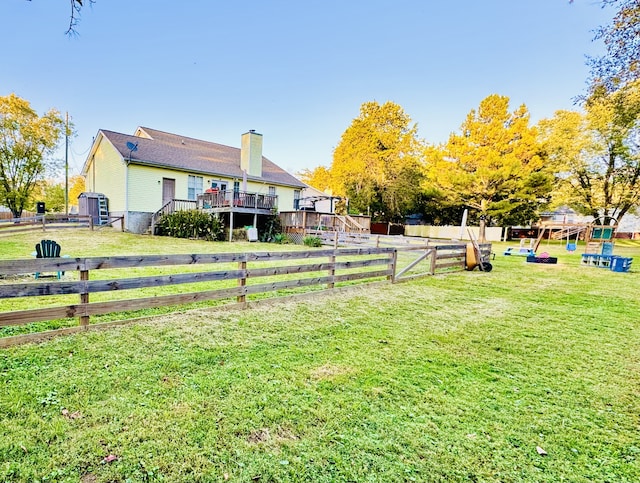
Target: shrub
(191, 224)
(270, 228)
(312, 241)
(280, 238)
(239, 234)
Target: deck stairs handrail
(171, 207)
(348, 224)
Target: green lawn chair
(48, 249)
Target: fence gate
(425, 261)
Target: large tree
(76, 7)
(620, 63)
(493, 165)
(377, 164)
(597, 153)
(320, 178)
(26, 139)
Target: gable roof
(172, 151)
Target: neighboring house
(153, 172)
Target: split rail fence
(52, 221)
(210, 277)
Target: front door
(168, 190)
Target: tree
(49, 192)
(76, 186)
(320, 178)
(377, 163)
(76, 7)
(597, 153)
(621, 62)
(25, 141)
(493, 165)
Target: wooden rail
(223, 276)
(238, 199)
(171, 207)
(324, 267)
(42, 222)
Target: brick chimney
(251, 153)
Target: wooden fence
(51, 221)
(337, 238)
(223, 276)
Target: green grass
(453, 378)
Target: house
(153, 172)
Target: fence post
(84, 299)
(242, 281)
(44, 222)
(332, 269)
(434, 260)
(394, 265)
(335, 240)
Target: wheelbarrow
(474, 256)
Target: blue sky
(295, 71)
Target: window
(272, 190)
(296, 199)
(194, 187)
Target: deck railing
(237, 199)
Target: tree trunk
(482, 230)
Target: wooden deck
(237, 201)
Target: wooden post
(332, 269)
(377, 241)
(335, 240)
(394, 264)
(242, 281)
(434, 260)
(84, 299)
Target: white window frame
(194, 187)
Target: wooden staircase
(168, 208)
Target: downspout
(125, 221)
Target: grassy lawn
(467, 377)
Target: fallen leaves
(109, 458)
(71, 415)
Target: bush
(239, 234)
(191, 224)
(312, 241)
(270, 228)
(280, 238)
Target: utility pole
(66, 164)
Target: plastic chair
(48, 249)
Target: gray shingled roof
(193, 155)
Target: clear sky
(296, 71)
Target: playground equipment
(599, 243)
(522, 249)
